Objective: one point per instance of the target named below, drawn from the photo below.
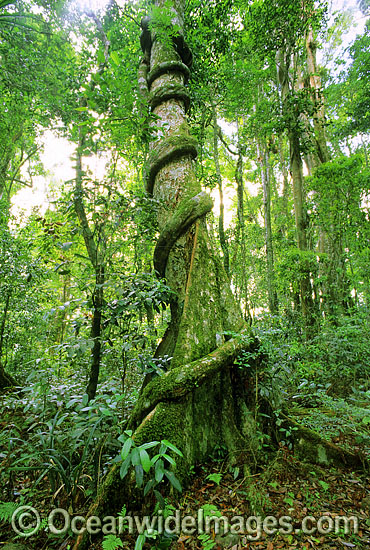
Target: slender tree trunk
(301, 226)
(97, 260)
(241, 229)
(96, 251)
(96, 333)
(221, 220)
(296, 170)
(284, 170)
(318, 100)
(335, 289)
(6, 381)
(263, 158)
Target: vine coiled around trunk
(176, 146)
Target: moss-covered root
(311, 447)
(182, 380)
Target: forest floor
(274, 500)
(285, 487)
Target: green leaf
(124, 467)
(106, 412)
(7, 510)
(172, 447)
(135, 457)
(173, 480)
(101, 56)
(149, 445)
(169, 459)
(140, 542)
(216, 478)
(159, 473)
(145, 460)
(210, 510)
(115, 58)
(149, 486)
(112, 542)
(139, 473)
(324, 485)
(126, 448)
(160, 499)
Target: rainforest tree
(202, 388)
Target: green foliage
(7, 510)
(281, 24)
(216, 478)
(206, 541)
(139, 459)
(112, 542)
(356, 86)
(63, 438)
(21, 299)
(56, 463)
(54, 73)
(336, 358)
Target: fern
(111, 542)
(7, 510)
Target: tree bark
(322, 150)
(221, 220)
(96, 250)
(335, 291)
(241, 229)
(96, 333)
(301, 227)
(96, 256)
(6, 381)
(296, 170)
(263, 159)
(284, 170)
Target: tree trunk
(96, 257)
(200, 403)
(96, 330)
(301, 227)
(263, 159)
(296, 170)
(241, 229)
(96, 249)
(285, 201)
(221, 220)
(335, 290)
(6, 381)
(322, 150)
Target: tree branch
(224, 143)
